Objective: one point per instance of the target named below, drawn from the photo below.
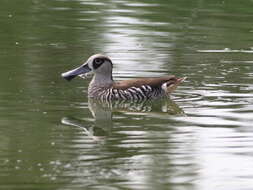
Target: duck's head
(98, 64)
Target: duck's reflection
(102, 113)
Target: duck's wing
(152, 82)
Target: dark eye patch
(98, 62)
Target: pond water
(53, 137)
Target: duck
(103, 87)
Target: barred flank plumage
(133, 93)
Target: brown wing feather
(153, 82)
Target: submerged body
(103, 87)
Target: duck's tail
(171, 85)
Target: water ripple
(226, 50)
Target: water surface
(53, 137)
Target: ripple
(226, 50)
(236, 62)
(185, 96)
(142, 5)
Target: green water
(53, 137)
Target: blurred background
(53, 137)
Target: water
(53, 137)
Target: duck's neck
(99, 81)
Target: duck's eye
(97, 62)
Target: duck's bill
(69, 75)
(86, 75)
